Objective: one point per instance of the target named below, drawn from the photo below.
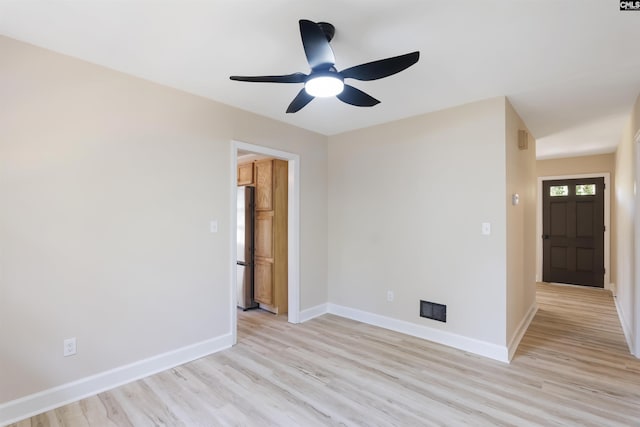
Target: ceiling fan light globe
(324, 86)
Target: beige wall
(107, 187)
(628, 291)
(521, 224)
(601, 163)
(406, 204)
(576, 165)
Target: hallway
(577, 347)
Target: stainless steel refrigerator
(246, 209)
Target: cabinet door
(264, 185)
(263, 237)
(245, 174)
(263, 282)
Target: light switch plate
(213, 226)
(486, 228)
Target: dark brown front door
(573, 231)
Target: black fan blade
(382, 68)
(301, 99)
(356, 97)
(316, 46)
(289, 78)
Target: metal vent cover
(432, 310)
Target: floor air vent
(434, 311)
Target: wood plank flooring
(572, 368)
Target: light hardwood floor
(572, 368)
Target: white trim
(521, 330)
(313, 312)
(634, 342)
(471, 345)
(626, 328)
(293, 244)
(233, 244)
(607, 223)
(293, 229)
(52, 398)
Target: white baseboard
(521, 330)
(611, 287)
(312, 312)
(471, 345)
(46, 400)
(626, 329)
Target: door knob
(545, 236)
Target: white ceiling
(571, 68)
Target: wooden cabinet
(263, 275)
(263, 244)
(245, 174)
(271, 263)
(264, 184)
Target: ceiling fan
(325, 80)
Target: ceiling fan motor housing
(328, 29)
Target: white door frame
(607, 223)
(293, 243)
(636, 267)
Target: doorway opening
(292, 178)
(573, 230)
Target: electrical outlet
(390, 296)
(69, 347)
